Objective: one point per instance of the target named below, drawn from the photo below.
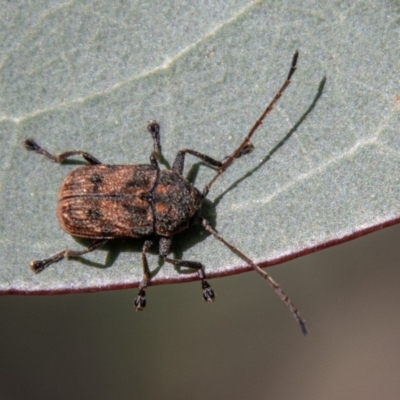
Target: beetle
(104, 202)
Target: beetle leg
(31, 145)
(208, 293)
(154, 128)
(179, 161)
(154, 162)
(140, 301)
(180, 158)
(39, 265)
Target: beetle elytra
(104, 202)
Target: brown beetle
(104, 202)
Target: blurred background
(245, 345)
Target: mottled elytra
(104, 202)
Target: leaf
(89, 77)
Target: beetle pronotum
(104, 202)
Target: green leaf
(89, 77)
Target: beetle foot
(38, 265)
(208, 293)
(140, 301)
(31, 145)
(154, 128)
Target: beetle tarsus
(246, 150)
(154, 128)
(140, 301)
(31, 145)
(38, 265)
(208, 293)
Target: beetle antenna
(278, 290)
(246, 141)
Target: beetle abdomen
(107, 201)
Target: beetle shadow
(288, 135)
(195, 233)
(77, 163)
(113, 248)
(163, 161)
